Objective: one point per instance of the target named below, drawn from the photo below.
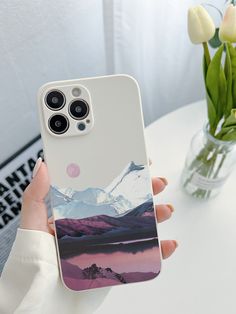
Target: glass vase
(208, 164)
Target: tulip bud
(228, 26)
(201, 27)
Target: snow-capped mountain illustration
(130, 189)
(58, 197)
(133, 183)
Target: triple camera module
(59, 123)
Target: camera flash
(81, 126)
(76, 92)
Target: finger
(51, 224)
(168, 247)
(158, 184)
(34, 214)
(39, 186)
(50, 220)
(52, 227)
(164, 212)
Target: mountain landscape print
(107, 236)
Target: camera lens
(55, 100)
(58, 124)
(79, 109)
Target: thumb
(34, 214)
(39, 186)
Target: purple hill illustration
(95, 277)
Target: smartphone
(101, 194)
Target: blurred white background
(44, 40)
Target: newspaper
(15, 175)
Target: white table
(201, 276)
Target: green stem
(197, 162)
(207, 53)
(217, 172)
(207, 169)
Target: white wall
(151, 43)
(44, 40)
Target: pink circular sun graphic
(73, 170)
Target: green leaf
(228, 127)
(231, 136)
(222, 100)
(228, 74)
(232, 53)
(210, 106)
(215, 83)
(211, 114)
(215, 42)
(231, 120)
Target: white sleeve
(30, 282)
(31, 264)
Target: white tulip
(201, 27)
(228, 26)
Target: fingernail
(163, 180)
(175, 243)
(171, 207)
(37, 166)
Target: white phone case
(101, 192)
